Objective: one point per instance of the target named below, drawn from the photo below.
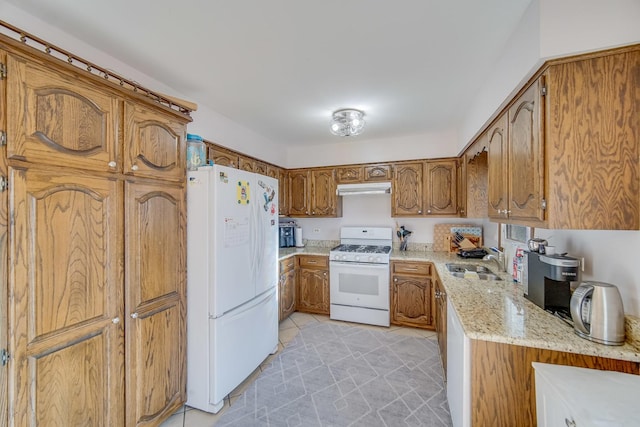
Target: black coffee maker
(287, 234)
(547, 281)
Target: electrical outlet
(582, 264)
(316, 231)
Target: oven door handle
(353, 264)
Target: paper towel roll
(298, 237)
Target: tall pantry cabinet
(96, 248)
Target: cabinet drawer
(287, 264)
(311, 261)
(415, 268)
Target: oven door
(359, 284)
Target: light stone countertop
(497, 311)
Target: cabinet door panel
(283, 192)
(497, 172)
(380, 172)
(155, 300)
(299, 193)
(65, 325)
(412, 301)
(349, 174)
(526, 158)
(442, 197)
(55, 119)
(222, 157)
(313, 291)
(323, 193)
(287, 293)
(407, 190)
(156, 144)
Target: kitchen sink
(460, 269)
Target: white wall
(373, 211)
(437, 144)
(575, 26)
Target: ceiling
(280, 67)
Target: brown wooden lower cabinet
(313, 284)
(441, 321)
(287, 288)
(412, 294)
(503, 380)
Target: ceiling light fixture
(347, 122)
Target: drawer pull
(410, 268)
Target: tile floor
(289, 328)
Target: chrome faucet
(498, 259)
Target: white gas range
(359, 275)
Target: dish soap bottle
(196, 155)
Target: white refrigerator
(232, 280)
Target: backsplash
(321, 243)
(411, 246)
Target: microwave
(287, 235)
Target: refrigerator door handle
(238, 311)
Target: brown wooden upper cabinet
(516, 161)
(497, 174)
(56, 118)
(251, 165)
(525, 164)
(299, 192)
(565, 153)
(407, 191)
(592, 142)
(349, 174)
(425, 188)
(312, 192)
(283, 192)
(441, 197)
(363, 173)
(155, 144)
(222, 156)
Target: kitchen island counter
(497, 311)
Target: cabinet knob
(134, 168)
(313, 212)
(419, 211)
(134, 315)
(428, 211)
(437, 294)
(325, 273)
(115, 320)
(112, 164)
(395, 280)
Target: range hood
(365, 188)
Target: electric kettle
(597, 313)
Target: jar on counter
(196, 152)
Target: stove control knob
(336, 257)
(377, 259)
(357, 258)
(370, 259)
(344, 257)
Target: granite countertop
(497, 311)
